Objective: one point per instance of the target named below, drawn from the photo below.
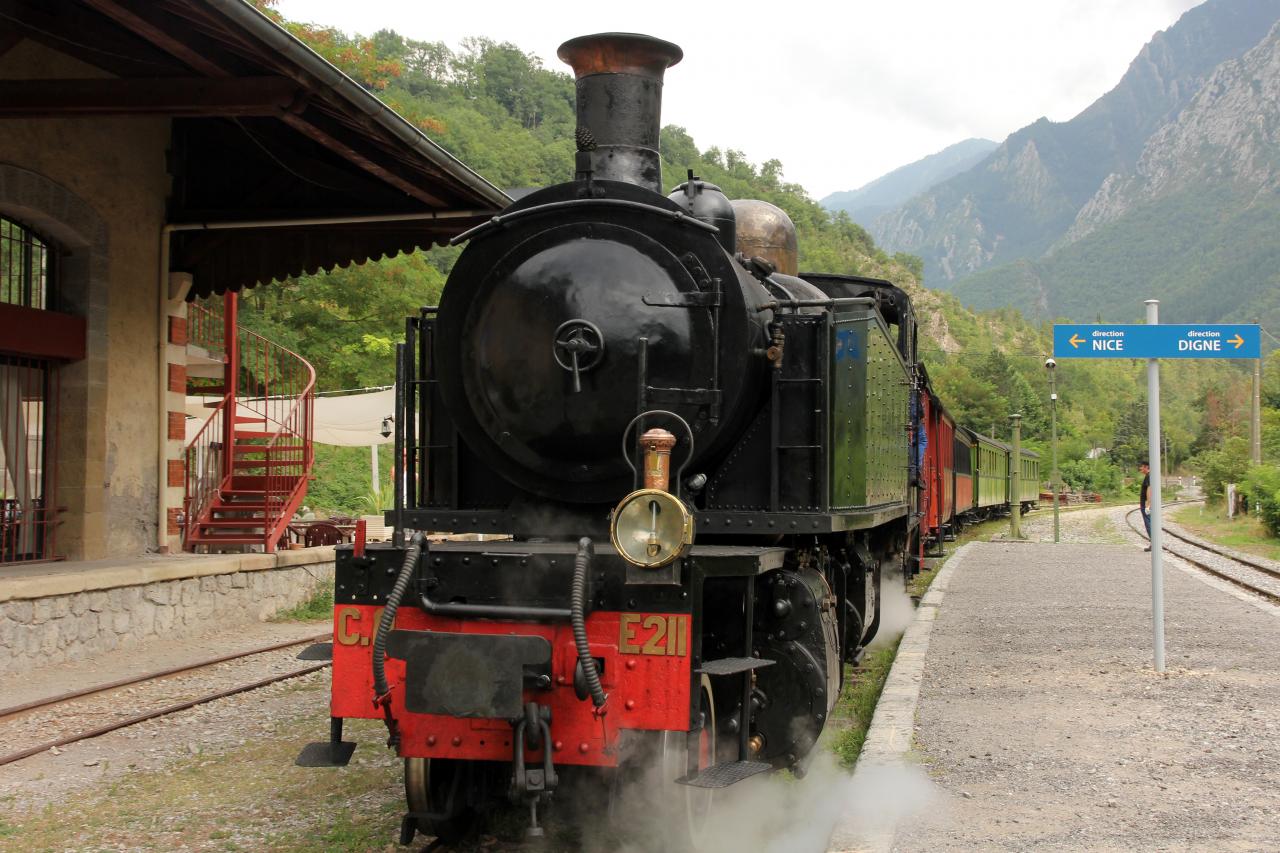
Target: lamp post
(1051, 366)
(1015, 480)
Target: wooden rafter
(302, 122)
(313, 131)
(60, 26)
(174, 96)
(175, 47)
(8, 40)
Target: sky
(841, 93)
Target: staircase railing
(277, 387)
(205, 325)
(205, 469)
(260, 435)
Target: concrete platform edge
(49, 579)
(890, 736)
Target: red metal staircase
(247, 469)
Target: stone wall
(96, 187)
(60, 628)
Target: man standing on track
(1142, 500)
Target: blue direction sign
(1157, 341)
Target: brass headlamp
(651, 527)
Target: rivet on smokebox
(584, 747)
(457, 741)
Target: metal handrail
(203, 477)
(271, 384)
(205, 325)
(288, 454)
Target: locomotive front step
(725, 774)
(731, 666)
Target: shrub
(1228, 464)
(1262, 488)
(1091, 475)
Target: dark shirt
(1142, 494)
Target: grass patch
(248, 798)
(852, 714)
(1244, 532)
(318, 606)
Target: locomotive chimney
(619, 83)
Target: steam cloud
(781, 814)
(896, 610)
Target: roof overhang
(266, 133)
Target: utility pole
(1015, 480)
(1051, 366)
(1255, 450)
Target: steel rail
(1273, 597)
(1222, 552)
(164, 673)
(151, 715)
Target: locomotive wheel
(691, 806)
(646, 802)
(427, 787)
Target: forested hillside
(505, 115)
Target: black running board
(724, 775)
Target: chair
(322, 533)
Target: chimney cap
(619, 53)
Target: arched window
(26, 266)
(27, 395)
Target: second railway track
(1241, 571)
(169, 692)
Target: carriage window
(25, 261)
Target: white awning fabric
(345, 420)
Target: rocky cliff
(1026, 196)
(1195, 222)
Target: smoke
(896, 610)
(773, 812)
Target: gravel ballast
(1044, 725)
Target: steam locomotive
(675, 471)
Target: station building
(153, 152)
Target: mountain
(1024, 198)
(1196, 222)
(888, 191)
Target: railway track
(1248, 574)
(60, 702)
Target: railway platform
(1024, 712)
(65, 612)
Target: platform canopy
(263, 129)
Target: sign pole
(1255, 434)
(1053, 409)
(1153, 461)
(1154, 341)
